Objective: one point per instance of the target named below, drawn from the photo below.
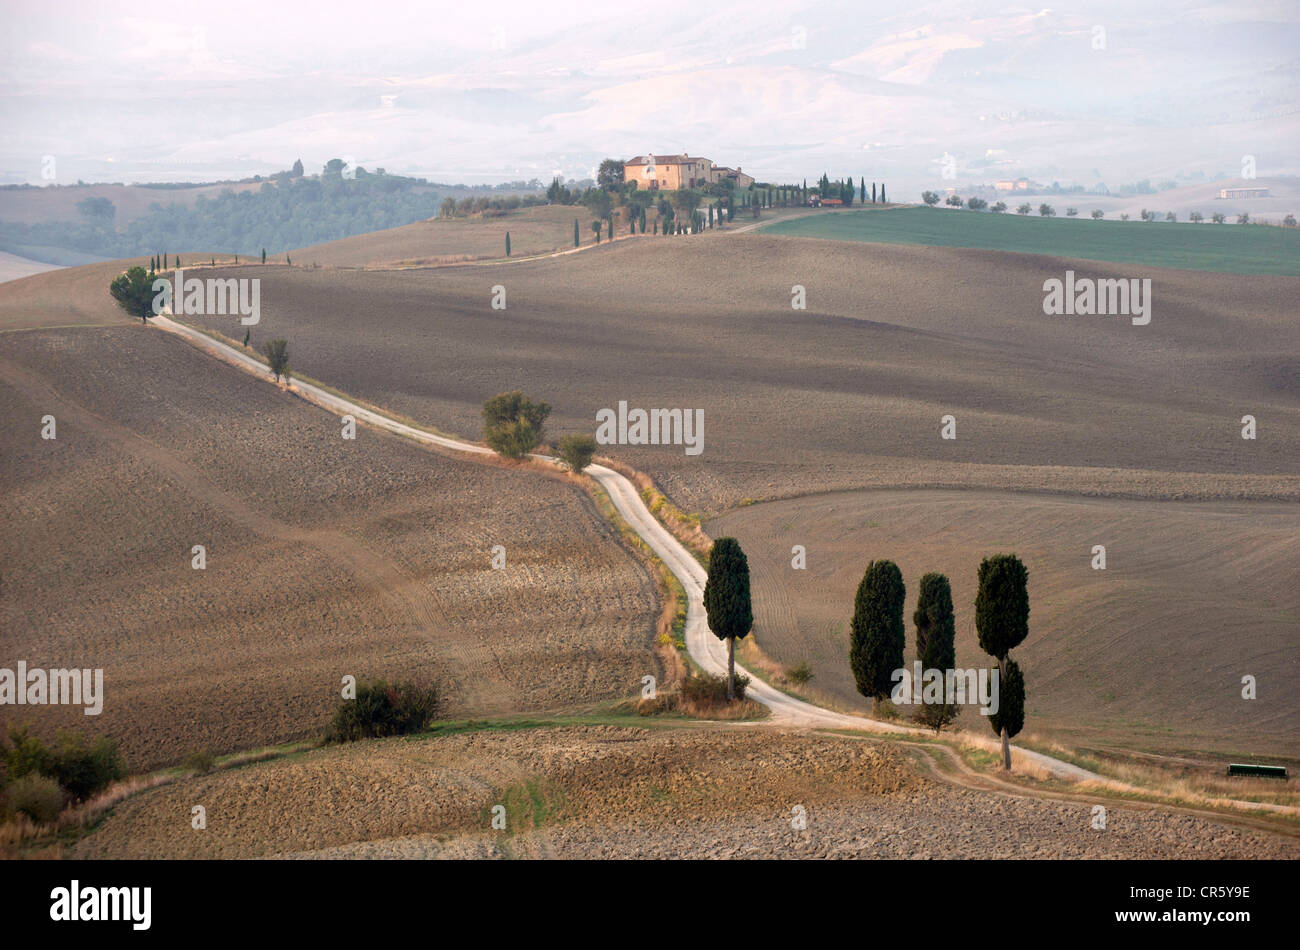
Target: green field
(1224, 248)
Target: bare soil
(325, 557)
(614, 792)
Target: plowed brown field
(325, 557)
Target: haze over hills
(1122, 92)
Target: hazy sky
(489, 91)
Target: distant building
(1243, 193)
(671, 172)
(737, 178)
(1020, 184)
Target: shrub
(800, 673)
(381, 710)
(706, 689)
(576, 451)
(200, 761)
(84, 771)
(513, 424)
(36, 796)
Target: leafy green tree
(1098, 214)
(598, 202)
(953, 201)
(513, 425)
(576, 451)
(936, 632)
(1024, 208)
(277, 357)
(1046, 211)
(976, 204)
(877, 638)
(610, 174)
(297, 170)
(133, 292)
(726, 600)
(1002, 616)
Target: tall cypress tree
(936, 632)
(873, 192)
(862, 196)
(576, 241)
(882, 194)
(507, 244)
(877, 639)
(1002, 622)
(726, 600)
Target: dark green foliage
(576, 451)
(513, 424)
(277, 356)
(726, 592)
(727, 599)
(1011, 702)
(134, 293)
(507, 244)
(877, 636)
(80, 771)
(936, 631)
(381, 710)
(1002, 604)
(263, 255)
(576, 240)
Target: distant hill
(81, 224)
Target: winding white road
(706, 649)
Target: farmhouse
(671, 172)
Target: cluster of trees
(514, 425)
(878, 638)
(1047, 211)
(484, 205)
(39, 781)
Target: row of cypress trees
(1001, 622)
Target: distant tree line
(294, 211)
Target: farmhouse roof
(664, 160)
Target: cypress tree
(873, 192)
(882, 194)
(576, 242)
(862, 197)
(877, 638)
(1010, 717)
(164, 260)
(1002, 623)
(726, 600)
(936, 632)
(263, 255)
(507, 244)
